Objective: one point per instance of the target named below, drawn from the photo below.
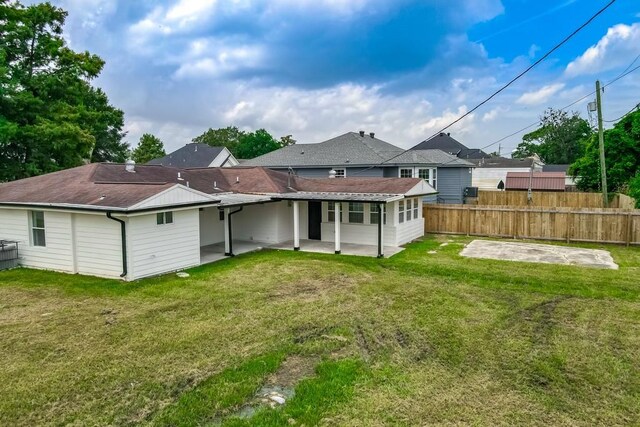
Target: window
(164, 218)
(331, 212)
(37, 229)
(415, 208)
(434, 176)
(429, 175)
(401, 211)
(340, 173)
(356, 212)
(406, 173)
(373, 214)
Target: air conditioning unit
(9, 255)
(471, 192)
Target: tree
(51, 118)
(150, 147)
(287, 140)
(634, 189)
(622, 157)
(560, 139)
(224, 137)
(256, 144)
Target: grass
(412, 340)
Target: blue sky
(318, 68)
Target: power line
(542, 58)
(637, 106)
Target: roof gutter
(123, 234)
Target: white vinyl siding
(159, 249)
(15, 224)
(98, 256)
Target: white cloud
(613, 50)
(493, 114)
(541, 95)
(533, 50)
(219, 59)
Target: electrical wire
(505, 86)
(637, 107)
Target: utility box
(9, 254)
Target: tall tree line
(51, 117)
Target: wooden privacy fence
(570, 225)
(550, 199)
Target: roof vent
(180, 178)
(441, 133)
(237, 180)
(372, 134)
(196, 147)
(448, 133)
(215, 185)
(361, 133)
(130, 166)
(332, 173)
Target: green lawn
(417, 339)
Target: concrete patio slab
(346, 248)
(215, 252)
(535, 252)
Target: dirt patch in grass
(292, 370)
(312, 288)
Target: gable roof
(192, 155)
(430, 158)
(349, 149)
(545, 181)
(444, 142)
(109, 186)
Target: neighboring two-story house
(358, 154)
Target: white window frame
(401, 211)
(164, 218)
(351, 211)
(400, 170)
(331, 212)
(415, 208)
(373, 213)
(432, 175)
(32, 225)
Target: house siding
(156, 249)
(97, 256)
(268, 223)
(56, 255)
(451, 184)
(211, 227)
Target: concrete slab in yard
(535, 252)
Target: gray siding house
(357, 154)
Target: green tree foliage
(224, 137)
(243, 145)
(560, 139)
(257, 143)
(634, 189)
(150, 147)
(622, 157)
(51, 118)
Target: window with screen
(374, 214)
(38, 237)
(356, 212)
(416, 203)
(401, 211)
(331, 212)
(164, 218)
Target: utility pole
(603, 168)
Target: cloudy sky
(317, 68)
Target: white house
(113, 220)
(489, 172)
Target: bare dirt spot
(292, 370)
(310, 289)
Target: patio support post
(380, 232)
(296, 225)
(227, 237)
(337, 226)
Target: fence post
(568, 232)
(629, 229)
(468, 222)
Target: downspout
(123, 233)
(380, 219)
(231, 232)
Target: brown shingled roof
(541, 181)
(103, 185)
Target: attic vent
(130, 166)
(361, 133)
(372, 134)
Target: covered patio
(318, 246)
(216, 251)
